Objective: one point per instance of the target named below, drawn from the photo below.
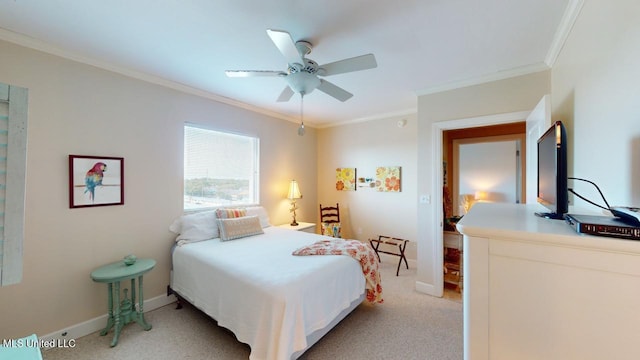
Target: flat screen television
(552, 172)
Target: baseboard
(421, 287)
(98, 323)
(428, 289)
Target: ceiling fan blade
(285, 95)
(253, 73)
(333, 90)
(286, 45)
(362, 62)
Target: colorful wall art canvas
(346, 179)
(388, 178)
(95, 181)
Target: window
(220, 168)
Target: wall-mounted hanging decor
(366, 183)
(346, 179)
(95, 181)
(388, 178)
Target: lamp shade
(294, 190)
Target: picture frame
(346, 179)
(95, 181)
(389, 179)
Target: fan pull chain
(301, 128)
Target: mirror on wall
(487, 170)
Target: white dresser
(534, 289)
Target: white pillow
(195, 227)
(236, 228)
(261, 213)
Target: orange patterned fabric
(362, 252)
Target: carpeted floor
(409, 325)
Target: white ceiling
(420, 45)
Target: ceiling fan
(303, 75)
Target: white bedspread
(269, 298)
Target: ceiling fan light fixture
(302, 82)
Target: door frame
(436, 205)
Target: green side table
(123, 312)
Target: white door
(537, 123)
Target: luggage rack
(388, 240)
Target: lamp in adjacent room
(294, 194)
(481, 196)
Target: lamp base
(293, 210)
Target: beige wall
(80, 109)
(595, 91)
(366, 213)
(510, 95)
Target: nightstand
(123, 312)
(302, 226)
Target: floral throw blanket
(362, 252)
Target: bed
(277, 303)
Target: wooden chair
(330, 220)
(400, 243)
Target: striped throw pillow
(230, 213)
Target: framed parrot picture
(95, 181)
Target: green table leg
(116, 315)
(110, 304)
(140, 313)
(133, 292)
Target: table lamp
(294, 194)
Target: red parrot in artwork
(94, 178)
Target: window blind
(220, 168)
(13, 165)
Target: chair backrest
(330, 214)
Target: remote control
(630, 215)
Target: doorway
(441, 176)
(483, 164)
(536, 121)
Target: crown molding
(562, 33)
(395, 114)
(477, 80)
(42, 46)
(564, 29)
